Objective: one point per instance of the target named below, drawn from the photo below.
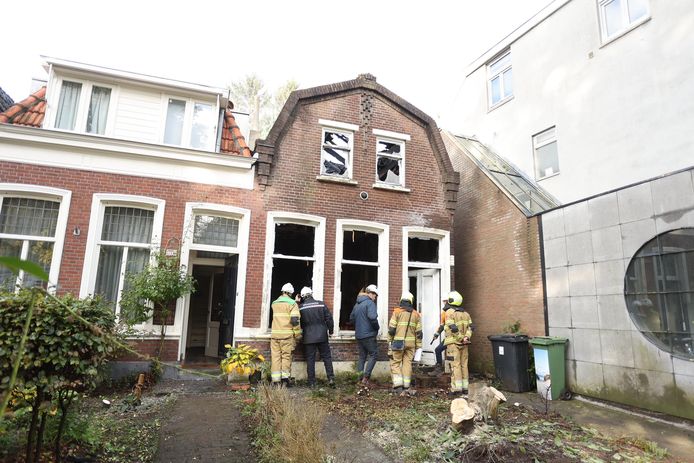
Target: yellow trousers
(401, 367)
(281, 353)
(459, 372)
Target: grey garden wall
(587, 248)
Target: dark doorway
(297, 272)
(354, 279)
(226, 323)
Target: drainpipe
(544, 276)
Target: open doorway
(212, 306)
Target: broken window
(423, 250)
(292, 258)
(336, 153)
(359, 269)
(389, 162)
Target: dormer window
(83, 106)
(190, 123)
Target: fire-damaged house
(351, 187)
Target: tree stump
(462, 415)
(483, 406)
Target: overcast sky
(417, 49)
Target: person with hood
(458, 333)
(365, 318)
(405, 333)
(316, 324)
(286, 331)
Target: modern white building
(588, 95)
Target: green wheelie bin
(550, 370)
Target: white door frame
(428, 281)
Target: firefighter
(286, 332)
(458, 333)
(405, 333)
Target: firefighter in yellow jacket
(405, 334)
(286, 332)
(458, 333)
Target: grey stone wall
(588, 246)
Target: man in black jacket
(316, 323)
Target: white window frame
(629, 25)
(241, 249)
(343, 128)
(83, 106)
(444, 260)
(100, 201)
(188, 120)
(318, 259)
(391, 137)
(491, 77)
(44, 193)
(383, 232)
(537, 145)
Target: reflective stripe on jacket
(410, 332)
(285, 319)
(462, 321)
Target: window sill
(344, 181)
(500, 103)
(547, 176)
(621, 34)
(398, 188)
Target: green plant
(154, 291)
(243, 359)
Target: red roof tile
(232, 139)
(29, 111)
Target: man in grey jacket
(365, 318)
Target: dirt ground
(204, 425)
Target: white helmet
(372, 289)
(407, 296)
(288, 288)
(306, 291)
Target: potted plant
(242, 361)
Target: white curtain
(67, 105)
(98, 110)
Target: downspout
(544, 276)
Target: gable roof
(529, 197)
(5, 100)
(30, 111)
(266, 148)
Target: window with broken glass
(659, 291)
(390, 162)
(336, 153)
(27, 231)
(293, 258)
(359, 269)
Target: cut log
(487, 399)
(462, 415)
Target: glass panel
(108, 273)
(292, 239)
(547, 160)
(219, 231)
(684, 342)
(496, 89)
(645, 313)
(127, 224)
(26, 216)
(354, 278)
(359, 245)
(67, 105)
(40, 252)
(637, 9)
(545, 136)
(388, 147)
(649, 249)
(388, 170)
(175, 115)
(614, 20)
(508, 83)
(98, 110)
(336, 139)
(202, 133)
(678, 240)
(136, 262)
(499, 65)
(642, 275)
(678, 271)
(9, 248)
(423, 250)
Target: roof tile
(232, 139)
(30, 111)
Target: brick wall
(169, 351)
(341, 350)
(497, 255)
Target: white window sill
(385, 186)
(328, 178)
(618, 35)
(500, 103)
(548, 176)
